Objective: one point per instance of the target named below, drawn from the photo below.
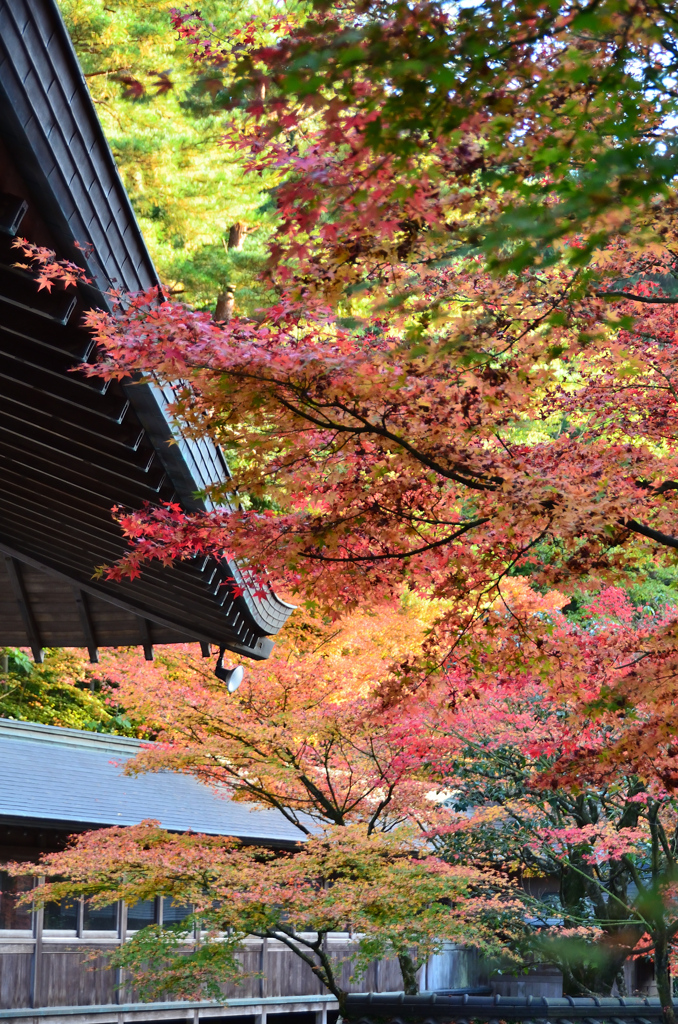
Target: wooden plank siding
(72, 974)
(15, 976)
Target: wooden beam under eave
(147, 643)
(87, 627)
(23, 601)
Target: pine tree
(205, 221)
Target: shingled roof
(69, 779)
(72, 447)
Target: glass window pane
(61, 916)
(12, 916)
(141, 914)
(100, 919)
(172, 912)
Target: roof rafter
(87, 627)
(23, 601)
(72, 446)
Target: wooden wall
(50, 972)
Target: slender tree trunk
(662, 970)
(409, 973)
(236, 236)
(226, 300)
(225, 306)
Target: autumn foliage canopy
(453, 429)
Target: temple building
(57, 782)
(72, 447)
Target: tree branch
(646, 531)
(663, 300)
(404, 554)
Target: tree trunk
(236, 236)
(621, 982)
(662, 972)
(409, 973)
(224, 307)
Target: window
(11, 916)
(61, 916)
(163, 911)
(100, 919)
(172, 912)
(141, 914)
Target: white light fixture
(232, 677)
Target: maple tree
(307, 733)
(570, 782)
(434, 393)
(393, 896)
(470, 468)
(509, 767)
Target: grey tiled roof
(455, 1008)
(67, 777)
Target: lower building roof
(68, 778)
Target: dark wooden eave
(71, 447)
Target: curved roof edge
(60, 147)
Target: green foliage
(179, 966)
(62, 691)
(164, 118)
(654, 587)
(651, 586)
(584, 917)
